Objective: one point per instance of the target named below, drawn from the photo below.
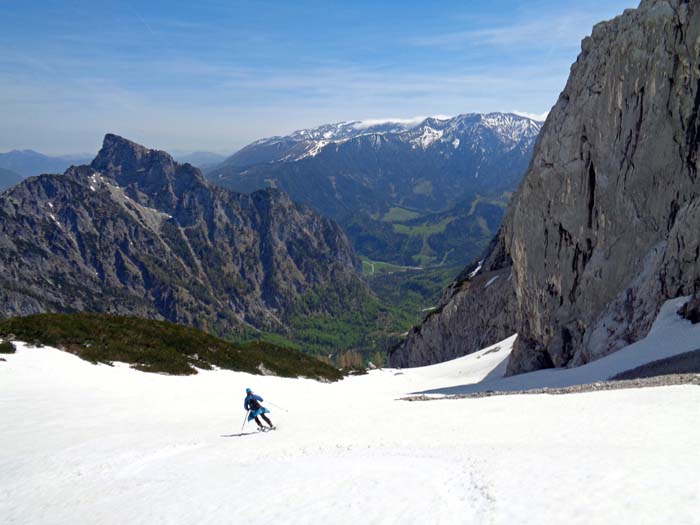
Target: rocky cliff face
(137, 233)
(605, 226)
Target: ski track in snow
(83, 443)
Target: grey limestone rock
(137, 233)
(605, 226)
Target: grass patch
(425, 229)
(6, 347)
(364, 331)
(159, 346)
(375, 268)
(424, 187)
(398, 214)
(409, 294)
(499, 202)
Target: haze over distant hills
(200, 159)
(419, 191)
(29, 163)
(8, 179)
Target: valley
(427, 192)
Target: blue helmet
(248, 391)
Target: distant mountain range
(201, 159)
(28, 163)
(8, 179)
(418, 192)
(136, 233)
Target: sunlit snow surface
(81, 443)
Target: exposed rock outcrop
(604, 228)
(137, 233)
(691, 310)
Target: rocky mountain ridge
(420, 132)
(604, 227)
(137, 233)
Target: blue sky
(216, 75)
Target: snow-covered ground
(81, 443)
(669, 336)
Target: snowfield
(82, 443)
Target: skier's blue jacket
(252, 402)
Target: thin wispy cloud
(561, 30)
(540, 117)
(219, 75)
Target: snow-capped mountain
(357, 172)
(419, 132)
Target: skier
(252, 403)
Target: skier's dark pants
(265, 418)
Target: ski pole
(245, 420)
(277, 406)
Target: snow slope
(82, 443)
(669, 336)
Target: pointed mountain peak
(125, 155)
(155, 173)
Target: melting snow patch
(428, 137)
(491, 281)
(477, 270)
(54, 219)
(314, 150)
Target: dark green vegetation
(6, 347)
(408, 237)
(402, 298)
(412, 293)
(158, 346)
(367, 328)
